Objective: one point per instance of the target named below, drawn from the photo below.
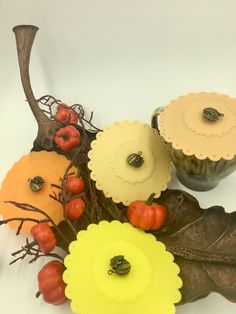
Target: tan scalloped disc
(182, 123)
(111, 171)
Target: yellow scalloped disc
(152, 285)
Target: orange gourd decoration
(146, 215)
(22, 185)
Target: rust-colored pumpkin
(146, 215)
(50, 166)
(44, 236)
(51, 283)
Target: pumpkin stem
(65, 136)
(38, 294)
(150, 199)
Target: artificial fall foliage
(202, 240)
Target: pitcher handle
(154, 119)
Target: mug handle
(154, 119)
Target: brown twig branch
(55, 197)
(22, 220)
(80, 110)
(30, 208)
(29, 250)
(49, 102)
(91, 196)
(63, 197)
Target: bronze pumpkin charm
(119, 265)
(212, 114)
(135, 160)
(36, 183)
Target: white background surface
(121, 59)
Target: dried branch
(62, 195)
(22, 220)
(49, 102)
(80, 110)
(28, 207)
(29, 250)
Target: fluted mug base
(195, 183)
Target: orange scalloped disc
(16, 187)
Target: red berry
(75, 185)
(74, 208)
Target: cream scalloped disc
(111, 171)
(182, 124)
(152, 285)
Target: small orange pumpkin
(20, 185)
(146, 215)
